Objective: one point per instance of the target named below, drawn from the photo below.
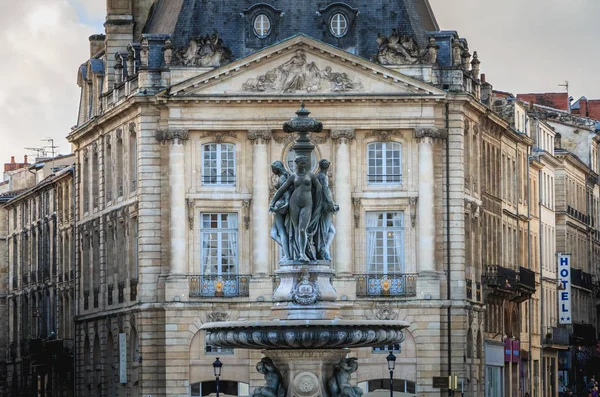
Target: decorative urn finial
(302, 124)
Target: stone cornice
(174, 135)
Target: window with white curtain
(384, 163)
(218, 164)
(385, 242)
(219, 247)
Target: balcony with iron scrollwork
(510, 284)
(223, 286)
(386, 285)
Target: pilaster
(428, 280)
(260, 201)
(343, 197)
(177, 213)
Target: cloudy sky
(524, 46)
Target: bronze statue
(325, 230)
(280, 210)
(339, 383)
(274, 386)
(304, 210)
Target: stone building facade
(41, 279)
(443, 216)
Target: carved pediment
(301, 66)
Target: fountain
(305, 345)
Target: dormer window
(263, 22)
(338, 25)
(262, 26)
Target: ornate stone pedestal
(305, 291)
(306, 372)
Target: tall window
(218, 235)
(385, 242)
(108, 171)
(384, 163)
(85, 179)
(133, 250)
(133, 160)
(119, 167)
(262, 26)
(218, 164)
(338, 25)
(95, 177)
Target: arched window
(262, 26)
(384, 163)
(338, 24)
(218, 164)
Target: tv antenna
(40, 151)
(566, 85)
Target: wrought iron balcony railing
(386, 284)
(582, 279)
(233, 285)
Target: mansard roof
(232, 20)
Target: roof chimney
(12, 159)
(482, 78)
(25, 159)
(96, 44)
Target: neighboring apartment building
(40, 275)
(576, 207)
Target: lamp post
(217, 371)
(391, 360)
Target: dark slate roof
(184, 19)
(97, 65)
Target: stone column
(343, 197)
(425, 204)
(260, 201)
(428, 283)
(178, 220)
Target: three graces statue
(303, 209)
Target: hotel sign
(564, 292)
(122, 358)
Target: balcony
(508, 283)
(582, 279)
(558, 336)
(581, 217)
(398, 285)
(227, 286)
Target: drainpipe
(529, 263)
(448, 276)
(73, 262)
(542, 301)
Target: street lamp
(391, 360)
(217, 371)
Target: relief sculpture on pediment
(298, 74)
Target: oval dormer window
(262, 26)
(338, 24)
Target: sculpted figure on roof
(203, 51)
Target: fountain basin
(304, 334)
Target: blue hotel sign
(564, 293)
